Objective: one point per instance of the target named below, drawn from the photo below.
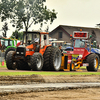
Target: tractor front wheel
(11, 64)
(93, 61)
(9, 49)
(36, 61)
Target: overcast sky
(85, 13)
(76, 12)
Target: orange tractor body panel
(43, 49)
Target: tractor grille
(21, 51)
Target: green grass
(49, 73)
(84, 67)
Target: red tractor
(35, 53)
(81, 54)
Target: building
(63, 32)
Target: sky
(84, 13)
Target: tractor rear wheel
(93, 61)
(46, 56)
(55, 59)
(72, 66)
(36, 61)
(9, 49)
(11, 64)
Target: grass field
(47, 73)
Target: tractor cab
(6, 42)
(81, 43)
(81, 38)
(32, 42)
(37, 39)
(30, 37)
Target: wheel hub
(57, 61)
(39, 62)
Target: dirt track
(76, 94)
(27, 79)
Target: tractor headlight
(22, 53)
(17, 52)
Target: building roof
(73, 28)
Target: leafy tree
(5, 29)
(47, 29)
(17, 34)
(24, 13)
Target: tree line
(24, 13)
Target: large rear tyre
(93, 61)
(55, 59)
(10, 63)
(72, 66)
(46, 56)
(9, 49)
(36, 61)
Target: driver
(61, 49)
(82, 45)
(36, 39)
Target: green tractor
(8, 45)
